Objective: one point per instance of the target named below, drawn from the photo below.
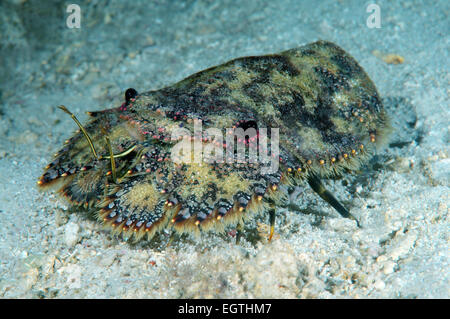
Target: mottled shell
(329, 116)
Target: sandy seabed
(50, 251)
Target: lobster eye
(130, 94)
(248, 124)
